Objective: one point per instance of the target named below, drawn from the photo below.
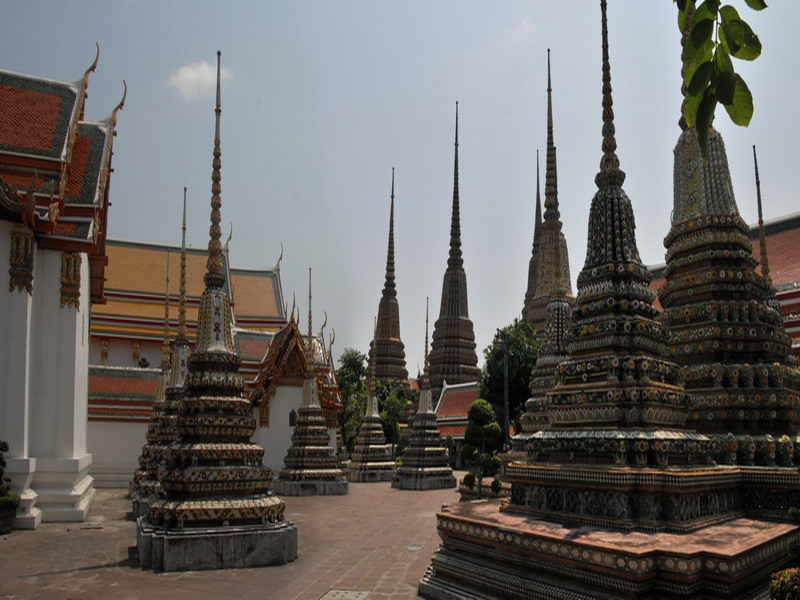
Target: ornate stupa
(216, 511)
(533, 263)
(552, 352)
(453, 358)
(371, 460)
(615, 499)
(388, 348)
(425, 464)
(145, 478)
(312, 467)
(727, 331)
(548, 277)
(173, 393)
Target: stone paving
(376, 540)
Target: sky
(321, 99)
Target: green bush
(469, 480)
(9, 502)
(785, 585)
(496, 486)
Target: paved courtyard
(375, 540)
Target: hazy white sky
(322, 99)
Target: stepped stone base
(309, 487)
(417, 482)
(369, 476)
(138, 508)
(486, 554)
(199, 549)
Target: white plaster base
(202, 549)
(115, 448)
(369, 476)
(21, 471)
(65, 488)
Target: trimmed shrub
(496, 486)
(785, 585)
(469, 480)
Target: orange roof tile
(29, 118)
(452, 430)
(782, 251)
(122, 384)
(456, 403)
(253, 349)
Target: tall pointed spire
(550, 174)
(548, 270)
(610, 174)
(309, 350)
(387, 348)
(762, 238)
(538, 222)
(453, 357)
(389, 286)
(455, 259)
(214, 277)
(165, 341)
(181, 334)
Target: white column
(59, 395)
(15, 350)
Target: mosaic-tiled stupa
(453, 358)
(216, 511)
(312, 467)
(371, 459)
(390, 354)
(549, 237)
(425, 463)
(145, 479)
(615, 499)
(727, 331)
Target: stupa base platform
(420, 481)
(202, 549)
(138, 508)
(369, 476)
(310, 487)
(486, 554)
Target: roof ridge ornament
(610, 174)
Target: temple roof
(122, 394)
(453, 405)
(135, 292)
(55, 166)
(36, 114)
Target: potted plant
(8, 502)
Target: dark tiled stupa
(216, 511)
(371, 460)
(425, 464)
(549, 243)
(312, 468)
(727, 331)
(388, 348)
(614, 499)
(145, 479)
(453, 358)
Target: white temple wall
(15, 402)
(120, 352)
(115, 449)
(277, 438)
(59, 394)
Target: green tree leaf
(751, 45)
(740, 109)
(701, 32)
(694, 57)
(690, 108)
(756, 4)
(726, 84)
(705, 115)
(701, 78)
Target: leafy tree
(351, 377)
(523, 349)
(482, 438)
(715, 33)
(392, 406)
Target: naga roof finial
(610, 174)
